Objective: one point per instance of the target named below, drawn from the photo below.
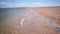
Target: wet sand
(28, 22)
(53, 11)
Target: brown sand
(33, 24)
(53, 11)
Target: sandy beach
(26, 21)
(53, 11)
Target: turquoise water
(4, 12)
(32, 21)
(19, 13)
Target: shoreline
(52, 12)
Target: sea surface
(25, 21)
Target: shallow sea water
(26, 21)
